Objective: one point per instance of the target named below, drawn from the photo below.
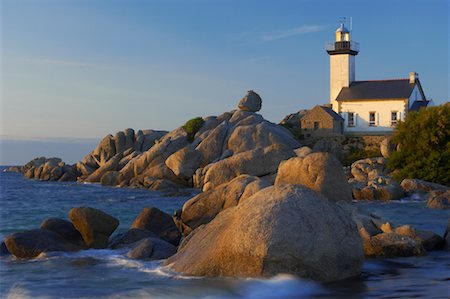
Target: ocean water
(110, 274)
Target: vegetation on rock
(424, 146)
(192, 126)
(356, 154)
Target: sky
(75, 71)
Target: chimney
(412, 77)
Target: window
(350, 119)
(372, 119)
(394, 118)
(316, 125)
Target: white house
(368, 107)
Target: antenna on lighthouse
(351, 24)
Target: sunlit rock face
(280, 229)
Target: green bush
(424, 143)
(192, 126)
(358, 154)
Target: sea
(25, 203)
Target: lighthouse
(342, 63)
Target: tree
(192, 126)
(423, 141)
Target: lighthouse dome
(342, 29)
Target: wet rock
(152, 249)
(438, 199)
(3, 249)
(321, 172)
(159, 223)
(95, 226)
(65, 229)
(420, 186)
(428, 239)
(389, 245)
(31, 243)
(129, 237)
(280, 229)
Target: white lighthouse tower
(342, 63)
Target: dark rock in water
(129, 237)
(152, 249)
(65, 229)
(280, 229)
(3, 249)
(447, 236)
(420, 186)
(14, 169)
(158, 222)
(94, 225)
(428, 239)
(389, 245)
(31, 243)
(439, 199)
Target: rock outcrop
(95, 226)
(321, 172)
(370, 180)
(285, 229)
(205, 206)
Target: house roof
(332, 113)
(418, 104)
(383, 89)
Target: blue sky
(86, 68)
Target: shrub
(192, 126)
(358, 154)
(424, 146)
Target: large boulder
(260, 135)
(94, 225)
(280, 229)
(184, 162)
(31, 243)
(152, 249)
(250, 102)
(205, 206)
(159, 223)
(257, 162)
(330, 145)
(321, 172)
(439, 200)
(387, 147)
(65, 229)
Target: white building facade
(368, 107)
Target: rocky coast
(268, 203)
